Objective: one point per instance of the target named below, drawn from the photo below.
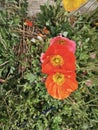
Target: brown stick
(2, 81)
(4, 63)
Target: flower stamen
(59, 78)
(57, 60)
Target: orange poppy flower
(61, 85)
(58, 58)
(71, 5)
(45, 31)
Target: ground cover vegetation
(24, 101)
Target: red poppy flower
(70, 44)
(61, 85)
(58, 58)
(64, 42)
(28, 23)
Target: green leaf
(30, 77)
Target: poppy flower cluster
(59, 63)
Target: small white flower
(33, 40)
(39, 38)
(65, 34)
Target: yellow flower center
(57, 60)
(59, 78)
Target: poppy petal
(60, 87)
